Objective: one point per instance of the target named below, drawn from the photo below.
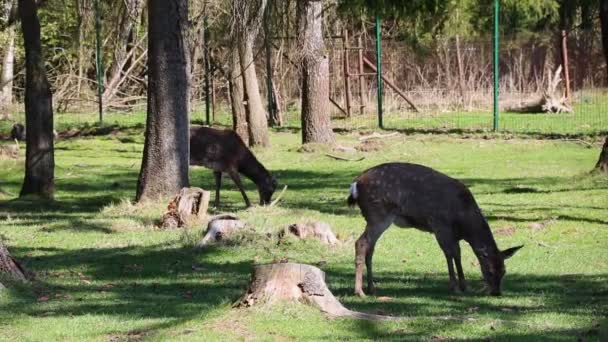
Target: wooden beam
(390, 84)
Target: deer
(223, 151)
(416, 196)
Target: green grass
(109, 275)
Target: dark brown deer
(224, 151)
(411, 195)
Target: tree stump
(602, 163)
(221, 227)
(298, 283)
(10, 266)
(187, 208)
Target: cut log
(220, 228)
(602, 163)
(316, 230)
(10, 266)
(188, 208)
(300, 283)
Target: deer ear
(507, 253)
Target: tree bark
(8, 65)
(256, 115)
(602, 163)
(604, 25)
(130, 13)
(235, 82)
(298, 283)
(39, 156)
(10, 266)
(248, 19)
(316, 124)
(164, 169)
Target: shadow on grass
(177, 285)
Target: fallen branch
(378, 136)
(343, 158)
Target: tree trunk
(247, 20)
(85, 14)
(235, 82)
(131, 10)
(316, 124)
(39, 155)
(604, 25)
(10, 266)
(602, 163)
(298, 283)
(256, 115)
(6, 79)
(164, 169)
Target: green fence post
(496, 66)
(99, 60)
(379, 71)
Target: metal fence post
(496, 66)
(379, 71)
(99, 60)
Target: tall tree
(8, 62)
(604, 24)
(39, 155)
(164, 169)
(247, 17)
(316, 125)
(235, 83)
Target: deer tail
(354, 195)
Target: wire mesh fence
(444, 85)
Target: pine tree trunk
(235, 82)
(604, 25)
(316, 124)
(164, 169)
(256, 115)
(39, 155)
(6, 79)
(602, 163)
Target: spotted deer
(415, 196)
(224, 151)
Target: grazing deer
(411, 195)
(224, 151)
(18, 132)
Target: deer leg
(364, 250)
(237, 180)
(447, 243)
(461, 281)
(218, 184)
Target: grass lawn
(105, 273)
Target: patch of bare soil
(371, 145)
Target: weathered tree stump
(10, 266)
(10, 151)
(301, 283)
(317, 230)
(602, 163)
(221, 227)
(187, 208)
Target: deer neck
(252, 169)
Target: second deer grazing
(224, 151)
(411, 195)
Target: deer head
(493, 267)
(266, 188)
